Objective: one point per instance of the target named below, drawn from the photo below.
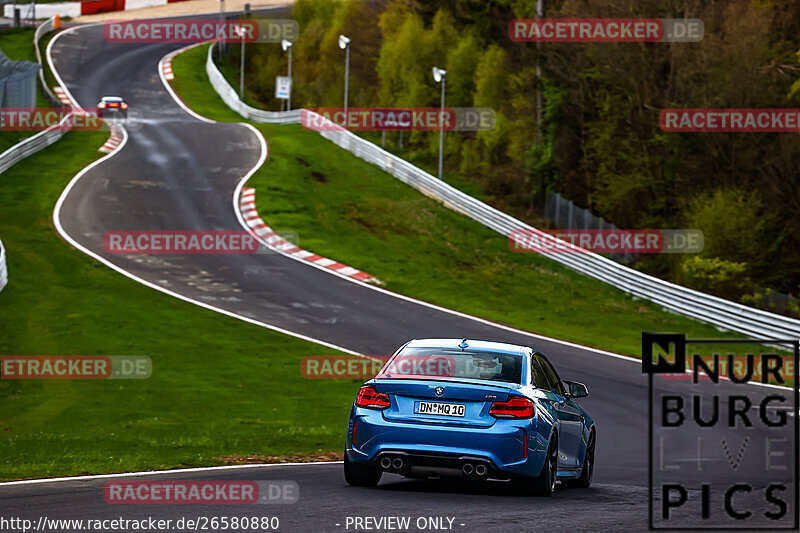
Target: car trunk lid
(429, 401)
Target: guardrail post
(3, 267)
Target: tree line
(598, 142)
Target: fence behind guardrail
(45, 138)
(722, 313)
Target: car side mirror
(577, 390)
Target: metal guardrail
(722, 313)
(45, 27)
(33, 144)
(3, 268)
(230, 97)
(45, 138)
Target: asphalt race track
(178, 173)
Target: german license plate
(437, 408)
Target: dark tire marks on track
(179, 173)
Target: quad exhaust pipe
(392, 465)
(477, 470)
(469, 468)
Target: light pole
(241, 68)
(539, 101)
(440, 75)
(286, 45)
(221, 19)
(344, 44)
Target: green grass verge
(348, 210)
(219, 386)
(17, 44)
(49, 79)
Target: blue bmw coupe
(479, 409)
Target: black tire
(545, 483)
(360, 475)
(585, 480)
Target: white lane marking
(298, 257)
(166, 84)
(157, 472)
(347, 270)
(73, 242)
(288, 245)
(66, 236)
(302, 254)
(236, 196)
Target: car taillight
(124, 106)
(372, 399)
(513, 408)
(113, 104)
(101, 105)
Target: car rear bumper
(501, 447)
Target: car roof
(474, 345)
(112, 98)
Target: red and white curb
(112, 142)
(61, 95)
(168, 68)
(275, 241)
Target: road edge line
(97, 257)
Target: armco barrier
(722, 313)
(230, 97)
(45, 27)
(33, 144)
(3, 268)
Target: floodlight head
(286, 44)
(344, 42)
(438, 74)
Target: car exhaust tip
(386, 463)
(467, 469)
(481, 470)
(397, 463)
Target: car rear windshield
(455, 363)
